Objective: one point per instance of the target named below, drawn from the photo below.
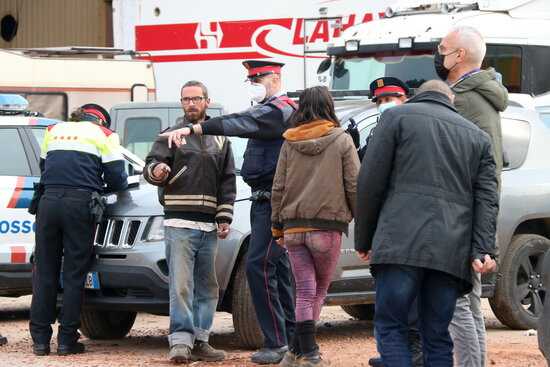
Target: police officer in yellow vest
(77, 159)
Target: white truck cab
(402, 44)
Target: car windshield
(413, 67)
(239, 146)
(356, 72)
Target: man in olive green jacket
(479, 96)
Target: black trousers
(64, 227)
(268, 274)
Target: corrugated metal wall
(55, 23)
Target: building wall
(57, 23)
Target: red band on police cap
(389, 88)
(95, 112)
(274, 69)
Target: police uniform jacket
(82, 155)
(427, 191)
(201, 185)
(264, 127)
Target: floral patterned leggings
(313, 257)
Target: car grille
(117, 233)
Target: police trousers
(268, 274)
(64, 229)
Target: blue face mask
(383, 107)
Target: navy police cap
(388, 86)
(258, 68)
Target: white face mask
(257, 92)
(385, 106)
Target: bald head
(472, 41)
(435, 85)
(464, 50)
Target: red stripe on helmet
(95, 112)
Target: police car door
(18, 171)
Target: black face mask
(440, 68)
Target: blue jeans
(396, 289)
(193, 287)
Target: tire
(99, 324)
(518, 298)
(247, 329)
(361, 312)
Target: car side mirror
(324, 65)
(134, 169)
(505, 160)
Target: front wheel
(362, 312)
(100, 324)
(519, 294)
(247, 329)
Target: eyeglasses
(196, 100)
(441, 49)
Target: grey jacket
(427, 191)
(479, 98)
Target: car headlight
(156, 229)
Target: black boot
(415, 346)
(305, 332)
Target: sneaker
(291, 360)
(202, 351)
(313, 359)
(180, 353)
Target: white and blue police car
(21, 134)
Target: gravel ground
(344, 342)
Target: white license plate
(92, 281)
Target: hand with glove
(352, 130)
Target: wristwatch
(190, 126)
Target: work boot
(41, 349)
(3, 339)
(180, 353)
(291, 359)
(313, 359)
(269, 355)
(202, 351)
(66, 349)
(415, 346)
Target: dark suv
(130, 266)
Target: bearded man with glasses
(197, 187)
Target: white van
(55, 81)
